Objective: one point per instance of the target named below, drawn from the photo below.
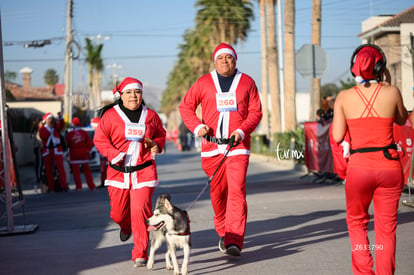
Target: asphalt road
(295, 226)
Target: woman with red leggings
(374, 174)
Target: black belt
(130, 169)
(219, 141)
(376, 149)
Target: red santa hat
(224, 48)
(95, 122)
(46, 116)
(76, 122)
(364, 62)
(126, 84)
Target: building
(394, 35)
(30, 103)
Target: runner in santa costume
(79, 144)
(129, 134)
(52, 152)
(367, 112)
(231, 107)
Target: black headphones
(379, 67)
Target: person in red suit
(231, 108)
(130, 134)
(367, 112)
(103, 161)
(79, 144)
(52, 152)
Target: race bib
(134, 131)
(226, 102)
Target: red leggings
(130, 208)
(228, 196)
(383, 187)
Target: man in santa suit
(231, 108)
(52, 152)
(79, 144)
(129, 134)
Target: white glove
(346, 149)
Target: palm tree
(316, 40)
(95, 64)
(290, 68)
(265, 73)
(51, 77)
(227, 21)
(273, 69)
(216, 21)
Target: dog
(171, 224)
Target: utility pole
(316, 40)
(67, 105)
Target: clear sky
(145, 35)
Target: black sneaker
(124, 237)
(222, 248)
(233, 250)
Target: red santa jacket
(51, 140)
(245, 119)
(110, 140)
(79, 144)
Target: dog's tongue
(150, 228)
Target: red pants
(88, 176)
(130, 208)
(383, 187)
(103, 167)
(228, 196)
(49, 161)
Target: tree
(10, 76)
(51, 77)
(329, 89)
(348, 83)
(95, 64)
(265, 73)
(275, 124)
(290, 68)
(216, 21)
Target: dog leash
(231, 144)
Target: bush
(287, 145)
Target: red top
(371, 130)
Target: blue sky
(145, 35)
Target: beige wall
(407, 75)
(42, 106)
(23, 142)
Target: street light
(114, 67)
(99, 37)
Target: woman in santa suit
(129, 134)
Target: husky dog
(171, 224)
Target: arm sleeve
(103, 142)
(254, 111)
